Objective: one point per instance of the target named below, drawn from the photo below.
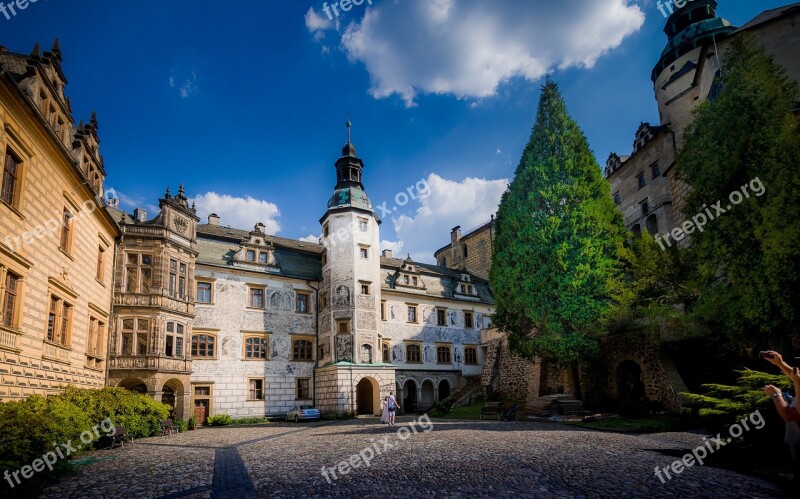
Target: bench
(493, 409)
(118, 437)
(167, 427)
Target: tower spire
(348, 125)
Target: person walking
(385, 411)
(391, 404)
(788, 412)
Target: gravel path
(452, 459)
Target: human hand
(772, 390)
(795, 376)
(774, 358)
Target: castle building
(217, 320)
(686, 74)
(471, 252)
(56, 241)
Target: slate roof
(439, 282)
(770, 15)
(13, 63)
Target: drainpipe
(316, 333)
(111, 316)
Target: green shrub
(192, 423)
(182, 425)
(246, 421)
(219, 420)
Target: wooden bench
(118, 437)
(493, 409)
(167, 427)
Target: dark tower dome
(689, 27)
(349, 191)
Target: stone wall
(505, 373)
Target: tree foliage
(748, 260)
(555, 271)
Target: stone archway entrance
(427, 392)
(172, 394)
(134, 385)
(367, 393)
(444, 389)
(630, 382)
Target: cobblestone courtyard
(455, 459)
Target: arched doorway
(410, 400)
(134, 385)
(366, 397)
(427, 395)
(173, 396)
(168, 398)
(444, 389)
(630, 382)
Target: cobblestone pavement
(454, 459)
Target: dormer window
(263, 257)
(250, 256)
(405, 279)
(414, 281)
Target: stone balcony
(151, 363)
(156, 300)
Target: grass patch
(650, 424)
(465, 412)
(249, 421)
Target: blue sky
(245, 101)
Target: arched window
(203, 345)
(302, 350)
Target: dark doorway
(365, 395)
(410, 400)
(630, 382)
(444, 389)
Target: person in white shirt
(392, 405)
(788, 412)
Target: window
(250, 256)
(173, 276)
(323, 301)
(94, 343)
(441, 317)
(443, 354)
(302, 303)
(414, 281)
(413, 353)
(468, 322)
(386, 351)
(138, 273)
(203, 345)
(364, 288)
(405, 279)
(465, 250)
(364, 253)
(101, 264)
(363, 224)
(303, 389)
(10, 179)
(59, 321)
(326, 231)
(469, 289)
(617, 199)
(302, 350)
(256, 389)
(134, 336)
(66, 231)
(324, 258)
(174, 340)
(645, 207)
(471, 355)
(412, 313)
(641, 180)
(182, 277)
(203, 292)
(444, 261)
(263, 257)
(383, 310)
(656, 170)
(257, 297)
(10, 294)
(343, 327)
(256, 347)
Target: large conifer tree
(749, 258)
(555, 271)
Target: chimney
(455, 235)
(261, 228)
(140, 215)
(387, 253)
(213, 219)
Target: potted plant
(193, 422)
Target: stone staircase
(469, 394)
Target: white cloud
(311, 238)
(395, 246)
(468, 203)
(239, 212)
(467, 48)
(189, 86)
